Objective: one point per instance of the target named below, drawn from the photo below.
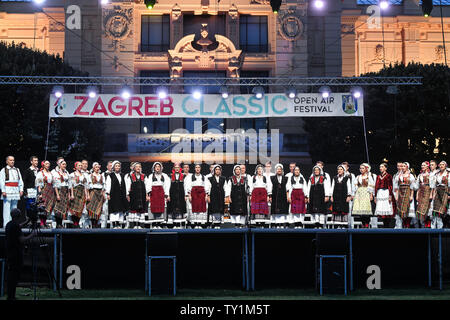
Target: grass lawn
(219, 294)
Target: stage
(247, 258)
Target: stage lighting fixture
(291, 93)
(325, 91)
(38, 2)
(224, 92)
(384, 4)
(319, 4)
(103, 2)
(427, 7)
(392, 90)
(357, 92)
(162, 92)
(258, 92)
(126, 93)
(58, 91)
(92, 91)
(197, 94)
(275, 4)
(149, 4)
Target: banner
(208, 106)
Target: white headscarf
(160, 164)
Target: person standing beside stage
(297, 188)
(158, 187)
(405, 184)
(236, 192)
(11, 185)
(341, 193)
(61, 184)
(137, 197)
(216, 197)
(196, 188)
(96, 188)
(425, 184)
(176, 202)
(29, 182)
(279, 209)
(363, 195)
(384, 196)
(260, 193)
(79, 194)
(116, 193)
(318, 188)
(46, 198)
(440, 199)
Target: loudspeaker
(162, 244)
(332, 243)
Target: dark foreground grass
(218, 294)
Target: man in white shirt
(11, 184)
(292, 166)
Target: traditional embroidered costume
(279, 209)
(237, 190)
(158, 187)
(297, 187)
(216, 193)
(12, 184)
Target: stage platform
(247, 258)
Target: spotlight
(357, 92)
(126, 93)
(150, 4)
(291, 93)
(275, 4)
(427, 7)
(38, 2)
(224, 92)
(58, 91)
(384, 4)
(92, 92)
(319, 4)
(325, 91)
(258, 92)
(145, 129)
(162, 92)
(103, 2)
(197, 94)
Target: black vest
(238, 205)
(279, 197)
(177, 203)
(118, 200)
(217, 195)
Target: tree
(410, 126)
(24, 110)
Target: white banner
(208, 106)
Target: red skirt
(157, 199)
(198, 195)
(298, 201)
(259, 201)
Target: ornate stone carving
(117, 23)
(259, 1)
(176, 12)
(290, 26)
(439, 53)
(379, 52)
(233, 12)
(56, 26)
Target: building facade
(233, 39)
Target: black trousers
(12, 279)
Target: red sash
(298, 201)
(157, 199)
(198, 195)
(259, 201)
(11, 184)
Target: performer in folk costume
(116, 192)
(260, 192)
(297, 188)
(268, 169)
(196, 187)
(398, 219)
(211, 171)
(363, 195)
(62, 185)
(46, 198)
(425, 186)
(96, 195)
(405, 184)
(318, 188)
(79, 194)
(137, 197)
(279, 209)
(85, 221)
(352, 178)
(328, 178)
(186, 177)
(373, 218)
(29, 182)
(104, 215)
(247, 178)
(216, 197)
(341, 190)
(441, 193)
(11, 184)
(433, 170)
(158, 186)
(237, 197)
(292, 166)
(384, 196)
(176, 205)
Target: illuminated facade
(206, 38)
